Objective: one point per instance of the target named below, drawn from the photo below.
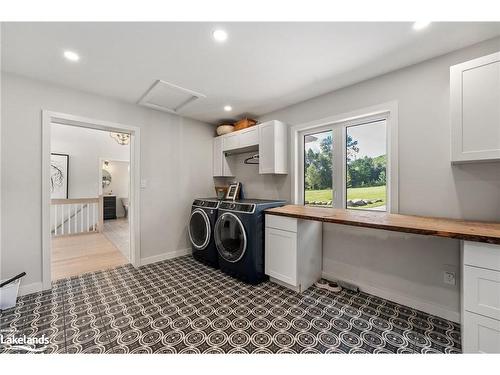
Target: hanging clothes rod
(252, 159)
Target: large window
(366, 166)
(318, 157)
(345, 165)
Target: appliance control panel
(207, 204)
(239, 207)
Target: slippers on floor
(328, 285)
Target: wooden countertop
(431, 226)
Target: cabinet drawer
(249, 137)
(281, 222)
(482, 291)
(482, 255)
(281, 255)
(481, 334)
(230, 142)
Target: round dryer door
(199, 229)
(230, 237)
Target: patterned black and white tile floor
(181, 306)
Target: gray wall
(174, 160)
(405, 268)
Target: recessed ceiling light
(71, 56)
(419, 25)
(228, 108)
(220, 35)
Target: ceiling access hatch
(167, 97)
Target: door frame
(49, 117)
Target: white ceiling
(260, 68)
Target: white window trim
(339, 123)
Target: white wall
(404, 268)
(120, 181)
(85, 147)
(175, 162)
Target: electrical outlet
(449, 278)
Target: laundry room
(326, 188)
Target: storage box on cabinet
(475, 114)
(293, 251)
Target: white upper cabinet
(230, 142)
(273, 158)
(220, 165)
(241, 139)
(475, 110)
(270, 138)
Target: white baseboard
(165, 256)
(30, 288)
(428, 307)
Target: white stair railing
(76, 216)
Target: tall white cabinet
(480, 298)
(475, 110)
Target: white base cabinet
(480, 298)
(293, 251)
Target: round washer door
(199, 229)
(230, 237)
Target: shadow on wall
(470, 179)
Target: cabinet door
(273, 148)
(281, 255)
(230, 141)
(481, 334)
(475, 109)
(217, 157)
(249, 137)
(266, 148)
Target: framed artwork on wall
(59, 173)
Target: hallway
(79, 254)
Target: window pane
(366, 153)
(318, 169)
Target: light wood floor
(117, 231)
(75, 255)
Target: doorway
(76, 200)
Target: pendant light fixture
(121, 138)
